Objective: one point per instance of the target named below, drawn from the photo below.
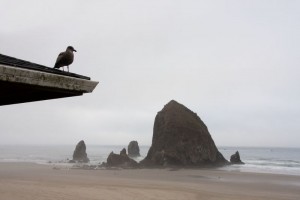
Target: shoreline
(229, 168)
(257, 159)
(36, 181)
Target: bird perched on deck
(65, 58)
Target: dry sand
(32, 181)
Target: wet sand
(32, 181)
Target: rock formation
(235, 158)
(180, 138)
(120, 160)
(133, 149)
(79, 154)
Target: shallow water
(266, 160)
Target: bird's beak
(74, 50)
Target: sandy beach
(33, 181)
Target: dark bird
(65, 58)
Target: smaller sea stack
(120, 160)
(235, 159)
(133, 149)
(80, 154)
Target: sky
(235, 63)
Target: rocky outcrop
(80, 154)
(120, 160)
(235, 159)
(180, 138)
(133, 149)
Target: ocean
(261, 160)
(265, 160)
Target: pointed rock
(80, 154)
(180, 138)
(235, 159)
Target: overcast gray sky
(234, 63)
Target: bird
(65, 58)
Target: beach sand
(33, 181)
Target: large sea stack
(180, 138)
(80, 154)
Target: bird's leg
(63, 68)
(68, 68)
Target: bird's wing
(58, 60)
